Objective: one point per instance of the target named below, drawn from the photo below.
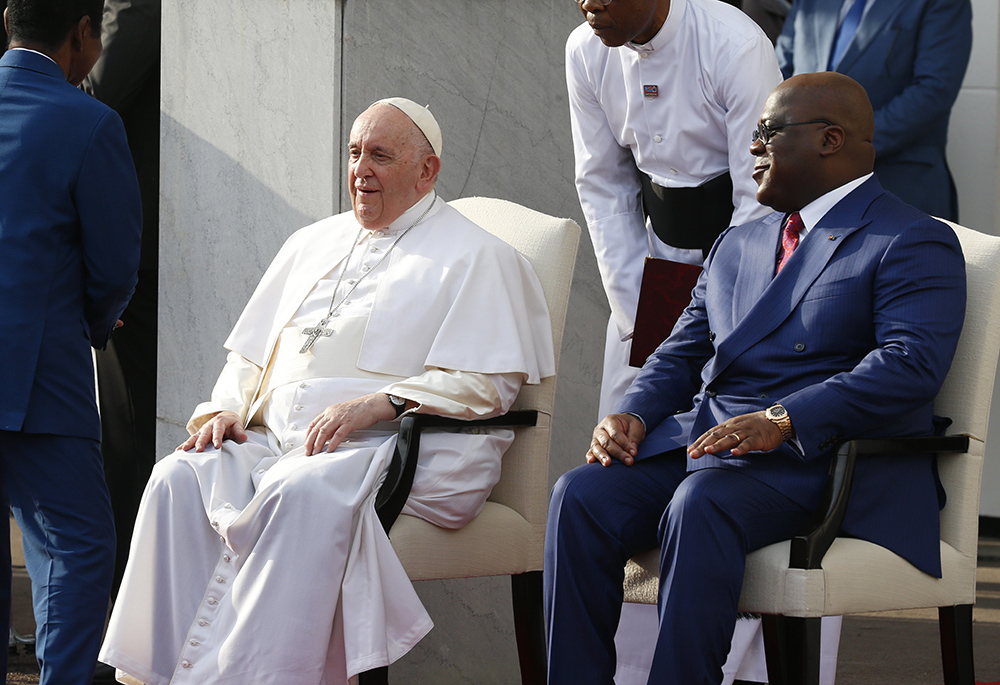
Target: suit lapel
(782, 294)
(871, 26)
(756, 269)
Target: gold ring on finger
(735, 435)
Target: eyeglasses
(763, 132)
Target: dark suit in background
(70, 223)
(768, 14)
(127, 79)
(911, 56)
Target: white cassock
(257, 564)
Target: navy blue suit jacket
(854, 338)
(911, 56)
(70, 224)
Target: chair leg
(529, 626)
(956, 644)
(376, 676)
(792, 649)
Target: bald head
(835, 97)
(800, 163)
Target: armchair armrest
(808, 549)
(396, 488)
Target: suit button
(799, 347)
(710, 393)
(711, 336)
(762, 395)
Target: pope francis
(257, 556)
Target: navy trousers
(55, 487)
(705, 523)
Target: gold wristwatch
(777, 415)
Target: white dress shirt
(713, 68)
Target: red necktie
(789, 239)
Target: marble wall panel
(249, 122)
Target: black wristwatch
(398, 403)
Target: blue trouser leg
(598, 518)
(714, 519)
(56, 489)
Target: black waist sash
(689, 218)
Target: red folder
(664, 293)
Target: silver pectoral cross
(314, 334)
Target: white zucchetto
(421, 116)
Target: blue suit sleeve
(110, 211)
(941, 54)
(919, 307)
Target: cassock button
(226, 558)
(228, 505)
(261, 471)
(657, 139)
(202, 622)
(799, 347)
(220, 579)
(293, 427)
(194, 643)
(186, 664)
(212, 600)
(299, 407)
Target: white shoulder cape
(454, 297)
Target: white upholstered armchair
(507, 538)
(795, 583)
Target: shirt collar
(813, 212)
(409, 216)
(671, 25)
(38, 53)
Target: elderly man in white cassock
(257, 555)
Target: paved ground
(896, 648)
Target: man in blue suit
(70, 223)
(911, 56)
(834, 318)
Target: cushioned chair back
(968, 389)
(550, 245)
